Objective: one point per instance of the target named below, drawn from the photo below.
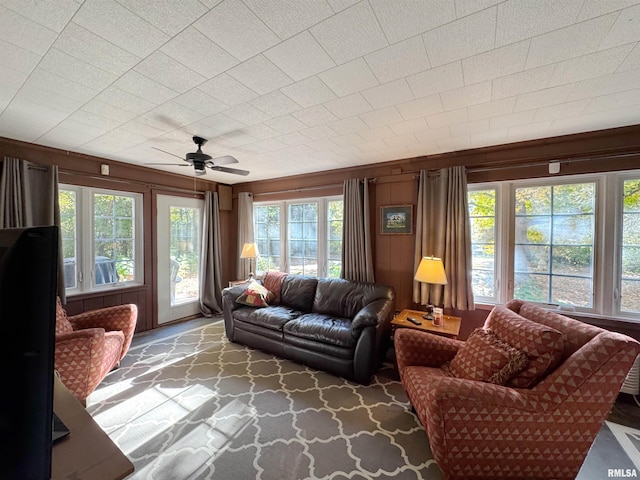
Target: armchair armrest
(416, 348)
(78, 360)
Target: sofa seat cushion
(273, 317)
(543, 345)
(486, 358)
(322, 328)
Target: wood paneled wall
(396, 184)
(79, 169)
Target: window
(302, 237)
(184, 251)
(630, 271)
(482, 216)
(101, 238)
(554, 242)
(570, 241)
(267, 234)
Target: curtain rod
(555, 160)
(136, 182)
(506, 165)
(304, 189)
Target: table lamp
(250, 251)
(431, 271)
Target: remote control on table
(413, 320)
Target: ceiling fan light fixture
(199, 167)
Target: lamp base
(429, 314)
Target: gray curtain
(357, 255)
(28, 198)
(245, 232)
(211, 283)
(443, 230)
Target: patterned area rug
(195, 406)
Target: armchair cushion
(543, 345)
(486, 358)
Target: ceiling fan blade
(224, 160)
(235, 171)
(168, 153)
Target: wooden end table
(450, 326)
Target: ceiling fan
(201, 161)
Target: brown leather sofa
(334, 325)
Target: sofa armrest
(375, 313)
(416, 348)
(231, 294)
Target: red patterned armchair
(91, 344)
(490, 414)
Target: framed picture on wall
(396, 220)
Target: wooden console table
(87, 452)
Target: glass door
(179, 221)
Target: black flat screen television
(28, 285)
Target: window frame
(608, 222)
(84, 227)
(323, 229)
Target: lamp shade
(249, 250)
(431, 270)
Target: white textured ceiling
(297, 86)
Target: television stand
(87, 452)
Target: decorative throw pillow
(273, 282)
(543, 345)
(486, 358)
(255, 295)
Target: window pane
(533, 229)
(630, 274)
(482, 216)
(113, 238)
(334, 233)
(533, 201)
(267, 235)
(303, 238)
(554, 236)
(531, 287)
(67, 201)
(184, 248)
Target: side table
(450, 326)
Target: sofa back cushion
(344, 298)
(543, 345)
(298, 292)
